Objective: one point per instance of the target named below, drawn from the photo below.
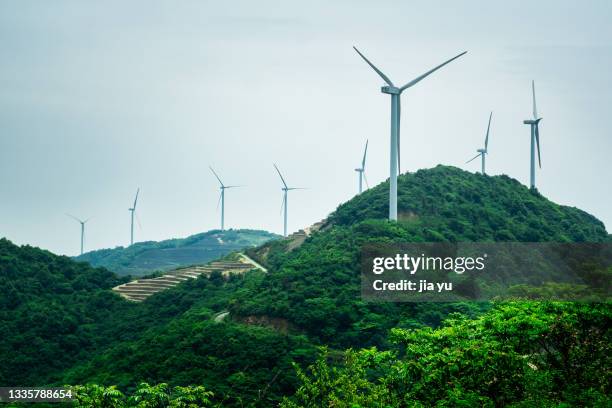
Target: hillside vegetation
(420, 354)
(317, 286)
(60, 323)
(49, 309)
(143, 258)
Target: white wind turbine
(132, 213)
(82, 222)
(535, 138)
(285, 189)
(483, 152)
(395, 93)
(361, 170)
(223, 187)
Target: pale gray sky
(99, 98)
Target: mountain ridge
(146, 257)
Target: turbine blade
(366, 180)
(138, 222)
(219, 201)
(431, 71)
(233, 186)
(281, 176)
(488, 128)
(73, 217)
(537, 136)
(473, 158)
(87, 220)
(282, 204)
(220, 182)
(136, 198)
(364, 156)
(378, 71)
(535, 111)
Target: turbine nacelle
(392, 90)
(532, 121)
(481, 150)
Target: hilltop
(143, 258)
(448, 203)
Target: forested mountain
(317, 286)
(466, 354)
(143, 258)
(58, 314)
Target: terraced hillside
(144, 258)
(140, 289)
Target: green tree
(96, 396)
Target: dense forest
(143, 258)
(60, 324)
(49, 309)
(300, 335)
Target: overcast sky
(99, 98)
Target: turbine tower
(132, 213)
(483, 152)
(285, 189)
(82, 228)
(361, 170)
(222, 198)
(395, 93)
(535, 138)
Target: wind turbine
(535, 138)
(483, 152)
(132, 212)
(285, 189)
(82, 228)
(361, 170)
(395, 93)
(222, 198)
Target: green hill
(317, 285)
(310, 297)
(143, 258)
(49, 309)
(447, 203)
(57, 315)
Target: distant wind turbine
(361, 170)
(82, 228)
(132, 213)
(483, 152)
(285, 189)
(395, 93)
(222, 198)
(535, 137)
